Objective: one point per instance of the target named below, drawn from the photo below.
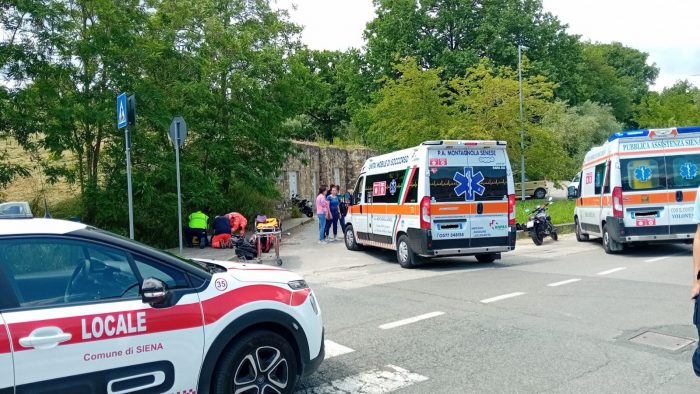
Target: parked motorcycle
(305, 206)
(539, 224)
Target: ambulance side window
(599, 173)
(357, 193)
(368, 191)
(412, 196)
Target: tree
(454, 34)
(678, 105)
(410, 109)
(616, 75)
(580, 128)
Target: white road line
(611, 271)
(655, 259)
(334, 349)
(564, 282)
(502, 297)
(410, 320)
(376, 381)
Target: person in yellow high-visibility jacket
(197, 227)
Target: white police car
(85, 311)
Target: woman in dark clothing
(334, 203)
(328, 222)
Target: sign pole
(127, 138)
(179, 195)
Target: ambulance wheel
(610, 245)
(580, 236)
(540, 193)
(261, 361)
(486, 258)
(406, 257)
(350, 241)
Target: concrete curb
(561, 229)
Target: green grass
(561, 211)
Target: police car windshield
(200, 265)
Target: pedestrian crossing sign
(121, 111)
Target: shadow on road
(436, 264)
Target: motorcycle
(305, 206)
(539, 224)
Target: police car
(86, 311)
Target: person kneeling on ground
(222, 232)
(197, 227)
(238, 222)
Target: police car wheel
(259, 362)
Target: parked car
(534, 189)
(15, 210)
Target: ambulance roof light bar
(650, 133)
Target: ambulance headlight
(298, 285)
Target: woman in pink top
(323, 211)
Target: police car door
(79, 324)
(7, 376)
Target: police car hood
(246, 272)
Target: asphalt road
(560, 318)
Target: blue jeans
(322, 227)
(696, 355)
(334, 222)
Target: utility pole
(522, 123)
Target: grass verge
(561, 211)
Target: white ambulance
(84, 311)
(441, 198)
(640, 186)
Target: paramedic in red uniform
(238, 222)
(695, 289)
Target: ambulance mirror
(153, 291)
(572, 192)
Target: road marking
(564, 282)
(376, 381)
(502, 297)
(655, 259)
(410, 320)
(611, 271)
(334, 349)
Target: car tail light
(425, 213)
(511, 209)
(617, 202)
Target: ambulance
(640, 186)
(439, 199)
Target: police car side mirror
(153, 291)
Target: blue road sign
(121, 111)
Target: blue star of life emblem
(642, 173)
(689, 170)
(392, 187)
(469, 184)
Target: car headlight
(298, 285)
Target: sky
(667, 30)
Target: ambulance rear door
(683, 180)
(644, 188)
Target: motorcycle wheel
(536, 237)
(309, 214)
(555, 236)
